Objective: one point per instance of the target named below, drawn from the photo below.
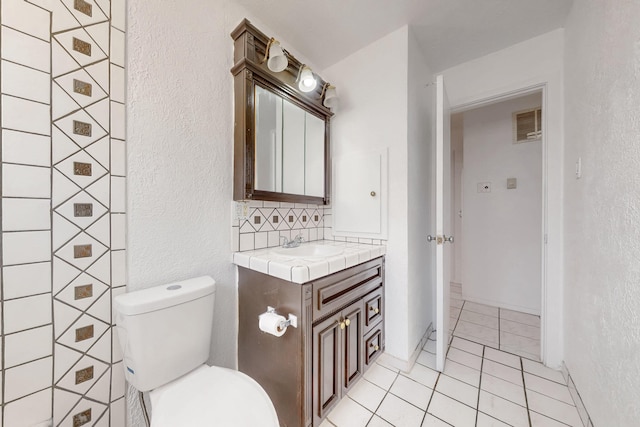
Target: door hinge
(546, 239)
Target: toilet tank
(165, 331)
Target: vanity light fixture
(277, 58)
(330, 96)
(306, 80)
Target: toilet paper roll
(270, 323)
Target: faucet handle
(299, 238)
(286, 241)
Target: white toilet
(165, 334)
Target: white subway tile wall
(63, 211)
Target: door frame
(505, 96)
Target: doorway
(497, 217)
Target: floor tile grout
(455, 342)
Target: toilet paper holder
(291, 321)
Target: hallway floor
(486, 382)
(507, 330)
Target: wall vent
(527, 125)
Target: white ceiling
(449, 31)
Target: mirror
(281, 136)
(289, 147)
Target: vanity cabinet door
(352, 349)
(327, 345)
(338, 357)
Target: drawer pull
(376, 310)
(347, 322)
(374, 346)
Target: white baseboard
(500, 305)
(575, 395)
(406, 365)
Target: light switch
(484, 187)
(579, 168)
(512, 183)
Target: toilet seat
(212, 396)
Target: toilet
(165, 335)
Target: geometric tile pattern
(268, 222)
(62, 77)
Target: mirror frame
(248, 71)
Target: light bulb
(307, 80)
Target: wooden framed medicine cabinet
(281, 134)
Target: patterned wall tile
(268, 222)
(80, 86)
(83, 375)
(85, 413)
(81, 128)
(82, 210)
(61, 133)
(81, 258)
(85, 11)
(80, 46)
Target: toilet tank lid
(159, 297)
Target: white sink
(308, 251)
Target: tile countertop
(303, 270)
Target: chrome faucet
(294, 243)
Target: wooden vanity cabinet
(340, 333)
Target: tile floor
(485, 382)
(507, 330)
(481, 386)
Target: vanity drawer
(334, 292)
(373, 345)
(373, 309)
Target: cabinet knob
(341, 323)
(373, 194)
(376, 310)
(347, 322)
(374, 346)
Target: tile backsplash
(268, 222)
(63, 211)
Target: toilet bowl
(165, 335)
(212, 396)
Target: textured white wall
(533, 62)
(602, 237)
(502, 229)
(373, 119)
(180, 128)
(180, 142)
